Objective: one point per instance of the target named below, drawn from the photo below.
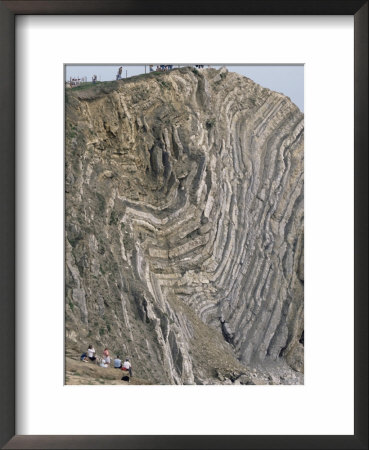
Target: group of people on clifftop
(165, 68)
(159, 68)
(104, 361)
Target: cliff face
(184, 226)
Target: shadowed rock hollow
(184, 227)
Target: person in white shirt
(127, 366)
(117, 363)
(91, 353)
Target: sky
(286, 79)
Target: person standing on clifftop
(119, 75)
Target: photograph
(184, 224)
(161, 209)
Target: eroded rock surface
(184, 227)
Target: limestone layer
(184, 225)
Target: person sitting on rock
(117, 363)
(106, 356)
(127, 366)
(91, 353)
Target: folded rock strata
(184, 225)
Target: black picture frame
(8, 12)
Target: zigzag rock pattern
(184, 226)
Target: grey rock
(198, 215)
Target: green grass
(87, 85)
(71, 134)
(164, 84)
